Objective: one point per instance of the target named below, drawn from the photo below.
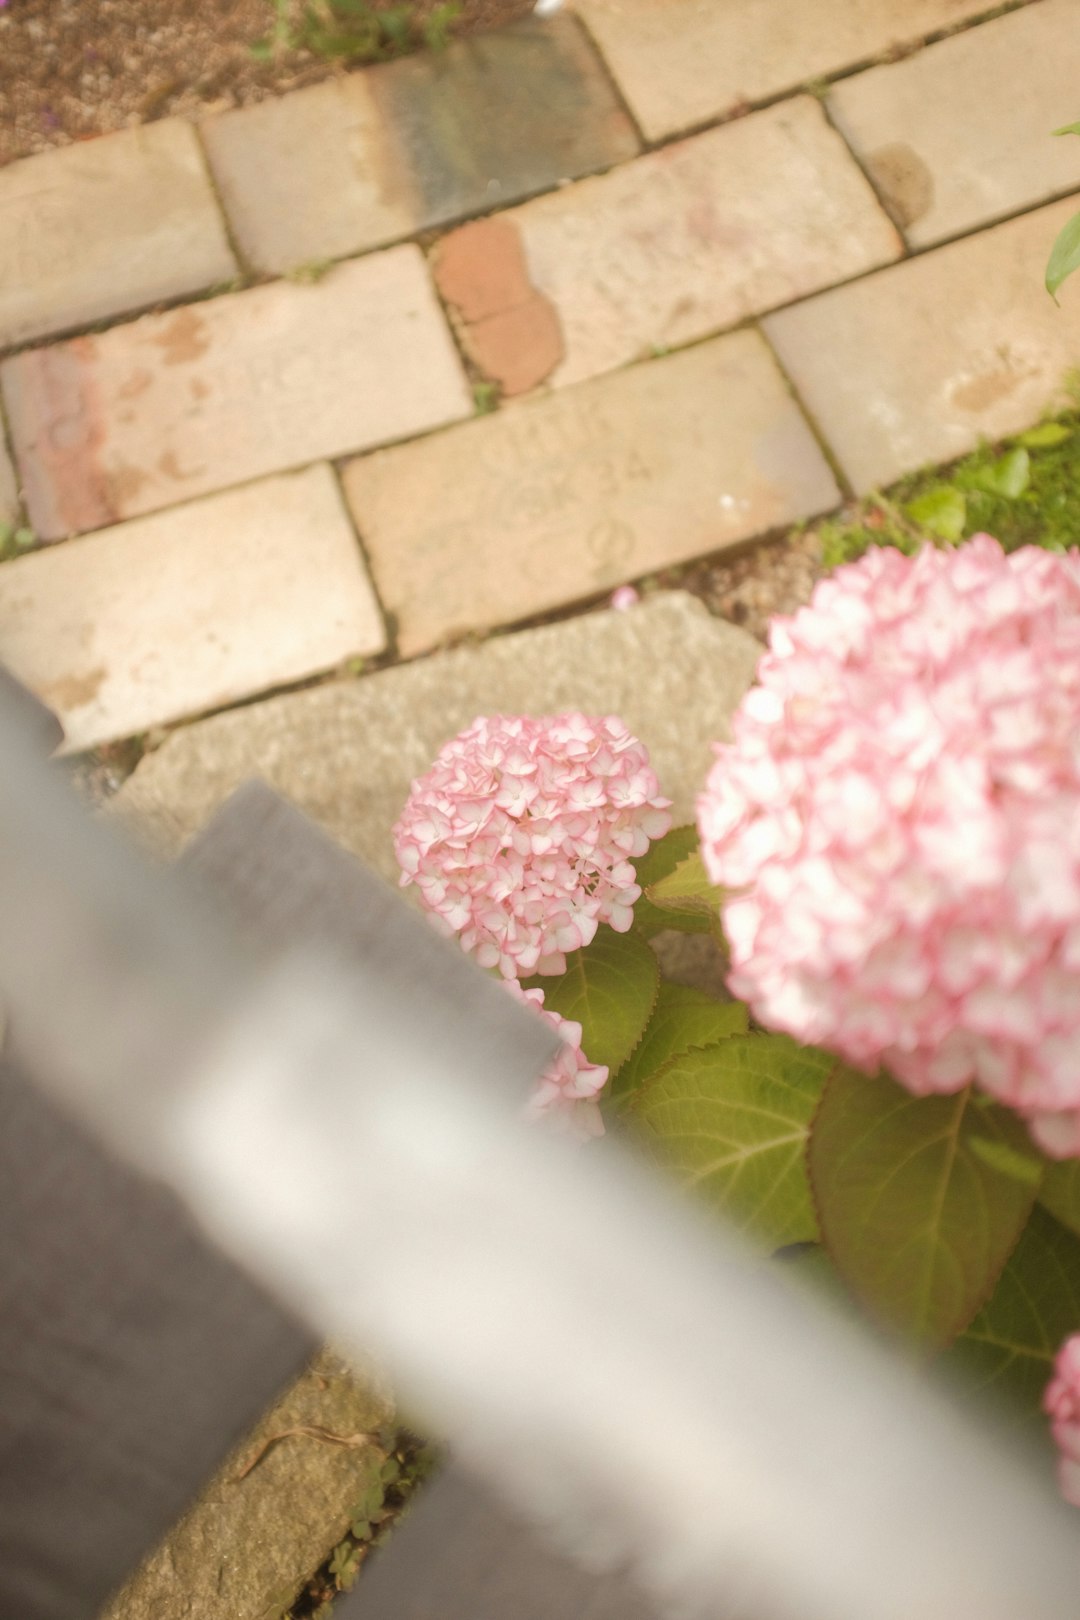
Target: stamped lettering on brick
(562, 497)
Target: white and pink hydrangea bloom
(521, 836)
(566, 1093)
(1061, 1403)
(899, 815)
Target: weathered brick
(559, 497)
(511, 331)
(667, 249)
(918, 363)
(107, 226)
(176, 405)
(190, 609)
(957, 136)
(685, 62)
(381, 154)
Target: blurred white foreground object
(337, 1118)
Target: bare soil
(772, 577)
(73, 69)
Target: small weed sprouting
(819, 88)
(1025, 493)
(406, 1463)
(345, 1564)
(437, 25)
(485, 397)
(308, 274)
(280, 37)
(14, 540)
(355, 30)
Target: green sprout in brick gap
(1065, 254)
(1025, 492)
(406, 1462)
(14, 540)
(356, 30)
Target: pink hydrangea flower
(522, 835)
(900, 813)
(566, 1092)
(1061, 1403)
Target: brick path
(247, 464)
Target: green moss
(1025, 492)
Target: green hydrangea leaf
(921, 1199)
(659, 862)
(732, 1122)
(610, 989)
(1009, 1347)
(1009, 476)
(1068, 129)
(1046, 436)
(686, 895)
(1059, 1192)
(1064, 256)
(941, 512)
(682, 1018)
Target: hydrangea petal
(898, 818)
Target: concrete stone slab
(167, 616)
(958, 135)
(247, 1546)
(107, 226)
(918, 363)
(347, 752)
(670, 248)
(381, 154)
(560, 497)
(685, 62)
(176, 405)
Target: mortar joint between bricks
(608, 73)
(390, 653)
(7, 447)
(846, 491)
(821, 85)
(883, 201)
(474, 376)
(245, 267)
(124, 317)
